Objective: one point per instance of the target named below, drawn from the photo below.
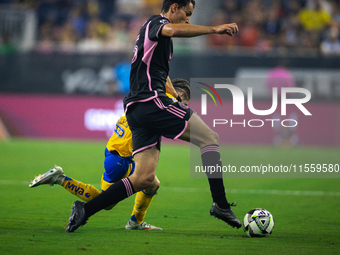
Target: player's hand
(229, 29)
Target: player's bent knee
(148, 182)
(154, 187)
(142, 182)
(211, 138)
(216, 138)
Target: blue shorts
(117, 167)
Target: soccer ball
(258, 223)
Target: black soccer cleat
(226, 215)
(77, 217)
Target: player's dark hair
(167, 3)
(181, 85)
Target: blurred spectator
(277, 25)
(331, 45)
(129, 7)
(218, 41)
(120, 83)
(264, 43)
(272, 23)
(291, 30)
(106, 9)
(117, 38)
(78, 18)
(152, 7)
(336, 11)
(265, 25)
(46, 44)
(102, 27)
(67, 40)
(250, 33)
(230, 7)
(122, 71)
(59, 9)
(315, 18)
(92, 43)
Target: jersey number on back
(119, 131)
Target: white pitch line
(228, 191)
(13, 182)
(261, 191)
(284, 192)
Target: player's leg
(146, 144)
(143, 200)
(116, 168)
(84, 191)
(104, 186)
(82, 211)
(198, 133)
(56, 176)
(142, 178)
(207, 140)
(145, 170)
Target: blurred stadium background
(64, 64)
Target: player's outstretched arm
(188, 30)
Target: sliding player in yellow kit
(118, 164)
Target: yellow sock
(84, 191)
(142, 203)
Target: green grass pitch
(32, 220)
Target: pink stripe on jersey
(175, 113)
(142, 101)
(128, 187)
(170, 108)
(149, 48)
(159, 103)
(185, 128)
(176, 109)
(144, 148)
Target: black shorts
(158, 117)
